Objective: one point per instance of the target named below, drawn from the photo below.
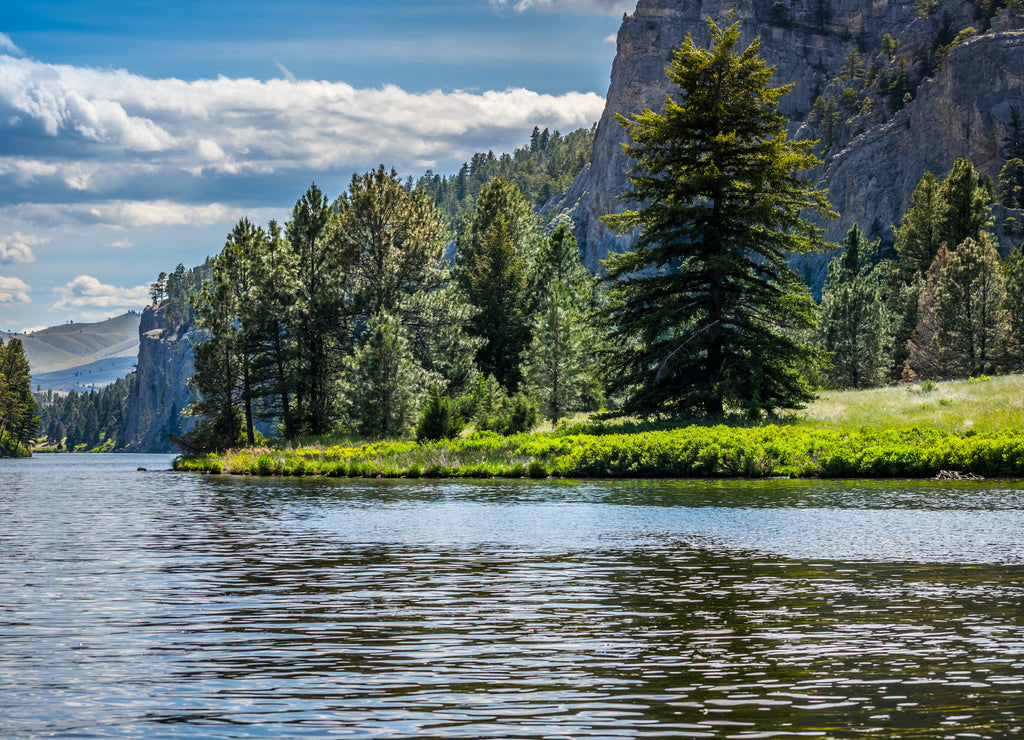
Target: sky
(134, 135)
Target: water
(156, 605)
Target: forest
(401, 308)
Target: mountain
(81, 356)
(891, 88)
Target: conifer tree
(966, 212)
(1013, 269)
(920, 235)
(853, 328)
(19, 422)
(557, 366)
(318, 312)
(707, 314)
(493, 254)
(970, 305)
(384, 385)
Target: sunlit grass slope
(981, 404)
(970, 427)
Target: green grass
(969, 427)
(982, 404)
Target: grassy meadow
(971, 428)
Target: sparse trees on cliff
(707, 314)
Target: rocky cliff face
(883, 113)
(161, 391)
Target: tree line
(86, 421)
(947, 306)
(19, 422)
(349, 318)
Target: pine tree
(19, 421)
(966, 205)
(854, 326)
(318, 313)
(389, 242)
(970, 305)
(384, 385)
(921, 234)
(494, 250)
(554, 366)
(706, 311)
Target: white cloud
(32, 329)
(7, 46)
(579, 7)
(111, 137)
(611, 39)
(18, 247)
(130, 214)
(14, 290)
(86, 291)
(122, 244)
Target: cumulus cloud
(579, 7)
(18, 247)
(33, 329)
(13, 290)
(86, 291)
(70, 135)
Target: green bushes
(689, 452)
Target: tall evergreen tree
(920, 234)
(318, 312)
(967, 205)
(970, 304)
(493, 255)
(854, 326)
(390, 241)
(707, 312)
(384, 385)
(268, 337)
(19, 422)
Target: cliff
(166, 362)
(888, 90)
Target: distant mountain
(81, 356)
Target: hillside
(79, 356)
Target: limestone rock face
(875, 149)
(161, 389)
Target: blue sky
(133, 135)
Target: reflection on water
(155, 605)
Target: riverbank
(963, 428)
(688, 452)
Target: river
(148, 604)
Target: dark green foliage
(854, 324)
(966, 205)
(19, 422)
(1013, 270)
(706, 312)
(383, 385)
(65, 415)
(558, 366)
(495, 247)
(317, 313)
(438, 420)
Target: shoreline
(688, 452)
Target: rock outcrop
(888, 124)
(166, 362)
